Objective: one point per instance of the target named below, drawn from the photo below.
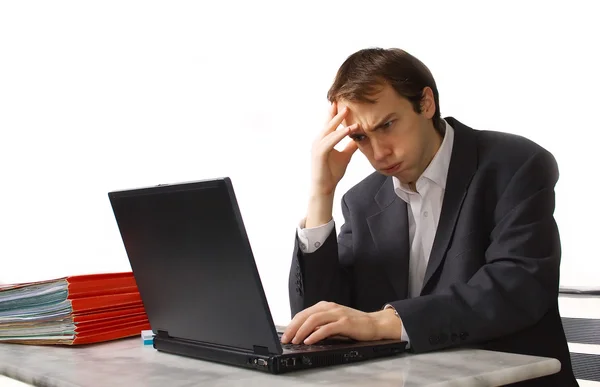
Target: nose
(380, 150)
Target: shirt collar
(437, 170)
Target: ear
(428, 103)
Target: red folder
(79, 309)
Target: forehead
(386, 101)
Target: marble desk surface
(128, 363)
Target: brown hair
(364, 73)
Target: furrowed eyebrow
(381, 123)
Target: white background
(98, 96)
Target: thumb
(349, 150)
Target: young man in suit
(451, 242)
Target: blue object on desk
(147, 337)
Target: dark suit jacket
(493, 273)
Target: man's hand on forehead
(348, 118)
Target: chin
(405, 180)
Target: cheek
(407, 143)
(398, 144)
(366, 150)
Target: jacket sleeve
(321, 275)
(518, 283)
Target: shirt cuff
(403, 335)
(312, 238)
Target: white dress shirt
(425, 206)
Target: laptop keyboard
(323, 344)
(304, 347)
(295, 347)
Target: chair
(584, 331)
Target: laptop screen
(193, 264)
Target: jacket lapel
(463, 164)
(389, 230)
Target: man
(451, 242)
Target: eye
(387, 125)
(358, 137)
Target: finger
(332, 112)
(314, 322)
(337, 327)
(300, 317)
(335, 121)
(346, 154)
(292, 328)
(333, 138)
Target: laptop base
(278, 364)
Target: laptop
(194, 267)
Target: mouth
(391, 169)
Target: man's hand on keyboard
(327, 319)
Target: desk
(128, 363)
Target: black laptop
(198, 280)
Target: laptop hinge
(260, 350)
(162, 334)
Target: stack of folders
(72, 310)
